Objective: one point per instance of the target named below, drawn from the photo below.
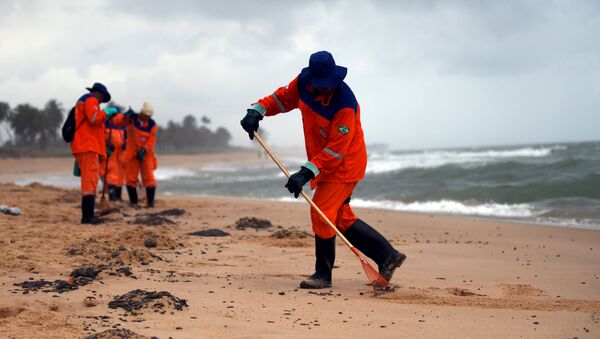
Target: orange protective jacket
(115, 137)
(333, 134)
(139, 135)
(116, 170)
(89, 127)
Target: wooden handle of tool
(308, 199)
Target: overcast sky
(426, 73)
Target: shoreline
(16, 170)
(473, 217)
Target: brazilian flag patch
(343, 130)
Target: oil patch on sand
(213, 232)
(139, 301)
(121, 333)
(252, 222)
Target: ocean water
(555, 184)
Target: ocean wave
(445, 207)
(452, 207)
(584, 223)
(167, 173)
(390, 162)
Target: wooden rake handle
(308, 199)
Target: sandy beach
(464, 277)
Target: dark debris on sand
(121, 333)
(152, 220)
(150, 242)
(290, 234)
(383, 290)
(159, 218)
(461, 292)
(123, 271)
(57, 286)
(251, 222)
(135, 300)
(213, 232)
(173, 212)
(86, 274)
(81, 276)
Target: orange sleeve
(94, 115)
(120, 120)
(149, 145)
(341, 133)
(284, 99)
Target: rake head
(377, 281)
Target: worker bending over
(337, 160)
(139, 153)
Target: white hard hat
(147, 109)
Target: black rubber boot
(372, 244)
(112, 193)
(132, 193)
(150, 191)
(119, 193)
(325, 257)
(87, 210)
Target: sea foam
(452, 207)
(167, 173)
(390, 162)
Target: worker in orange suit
(337, 160)
(115, 153)
(88, 145)
(139, 154)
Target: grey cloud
(425, 72)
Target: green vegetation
(26, 130)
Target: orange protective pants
(90, 172)
(332, 198)
(116, 170)
(147, 166)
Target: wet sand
(13, 169)
(463, 277)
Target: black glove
(124, 146)
(141, 154)
(298, 179)
(250, 122)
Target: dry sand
(463, 277)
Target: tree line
(29, 130)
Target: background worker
(88, 145)
(115, 153)
(139, 154)
(337, 157)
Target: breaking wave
(389, 162)
(167, 173)
(453, 207)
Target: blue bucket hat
(98, 87)
(323, 72)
